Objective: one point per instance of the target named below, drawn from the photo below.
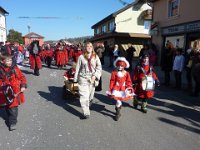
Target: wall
(130, 20)
(188, 12)
(2, 27)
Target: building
(31, 37)
(178, 23)
(3, 34)
(130, 24)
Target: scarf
(89, 63)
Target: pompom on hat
(121, 61)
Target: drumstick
(15, 95)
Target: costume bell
(120, 84)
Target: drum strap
(150, 70)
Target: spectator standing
(144, 50)
(100, 52)
(129, 55)
(116, 52)
(167, 61)
(188, 64)
(111, 55)
(196, 70)
(153, 52)
(178, 66)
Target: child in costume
(70, 87)
(69, 74)
(120, 84)
(144, 80)
(13, 84)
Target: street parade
(120, 88)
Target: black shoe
(85, 117)
(117, 117)
(12, 127)
(144, 110)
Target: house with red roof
(32, 37)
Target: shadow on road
(102, 109)
(180, 125)
(104, 99)
(55, 95)
(177, 107)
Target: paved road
(47, 122)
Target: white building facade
(3, 34)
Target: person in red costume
(120, 84)
(48, 55)
(144, 80)
(69, 74)
(76, 54)
(34, 57)
(65, 56)
(60, 56)
(13, 84)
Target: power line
(27, 17)
(123, 2)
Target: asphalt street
(48, 122)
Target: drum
(6, 95)
(148, 83)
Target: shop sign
(190, 27)
(175, 29)
(193, 27)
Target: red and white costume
(120, 82)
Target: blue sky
(75, 16)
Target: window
(97, 31)
(103, 29)
(173, 8)
(147, 25)
(111, 26)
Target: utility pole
(29, 28)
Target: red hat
(121, 61)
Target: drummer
(143, 69)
